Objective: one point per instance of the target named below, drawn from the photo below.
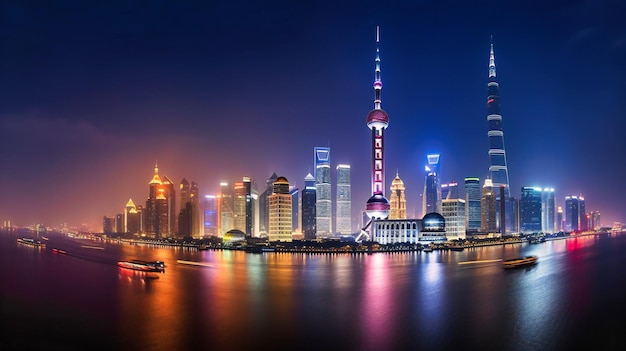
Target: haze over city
(92, 95)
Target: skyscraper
(264, 204)
(295, 214)
(249, 208)
(161, 207)
(323, 192)
(131, 218)
(548, 213)
(152, 220)
(343, 204)
(397, 200)
(431, 198)
(449, 190)
(377, 206)
(574, 213)
(497, 154)
(472, 204)
(308, 207)
(488, 216)
(210, 222)
(239, 206)
(453, 211)
(280, 211)
(530, 210)
(225, 210)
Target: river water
(574, 297)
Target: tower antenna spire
(492, 61)
(378, 84)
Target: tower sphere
(377, 206)
(378, 119)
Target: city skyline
(92, 95)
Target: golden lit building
(488, 221)
(280, 211)
(397, 200)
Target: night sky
(93, 93)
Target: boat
(203, 247)
(31, 242)
(143, 266)
(427, 249)
(519, 262)
(59, 251)
(457, 248)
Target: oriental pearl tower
(377, 206)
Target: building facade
(323, 192)
(308, 208)
(453, 211)
(280, 211)
(343, 203)
(548, 211)
(397, 199)
(472, 204)
(488, 222)
(431, 198)
(498, 169)
(530, 210)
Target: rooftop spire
(378, 84)
(492, 61)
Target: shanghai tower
(497, 155)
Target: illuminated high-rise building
(497, 154)
(343, 204)
(210, 218)
(323, 192)
(548, 210)
(431, 198)
(295, 213)
(594, 220)
(250, 199)
(170, 227)
(308, 207)
(131, 218)
(530, 210)
(152, 216)
(184, 214)
(239, 206)
(280, 211)
(488, 222)
(264, 204)
(559, 219)
(226, 215)
(574, 213)
(453, 211)
(397, 200)
(161, 207)
(449, 191)
(197, 220)
(377, 206)
(472, 204)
